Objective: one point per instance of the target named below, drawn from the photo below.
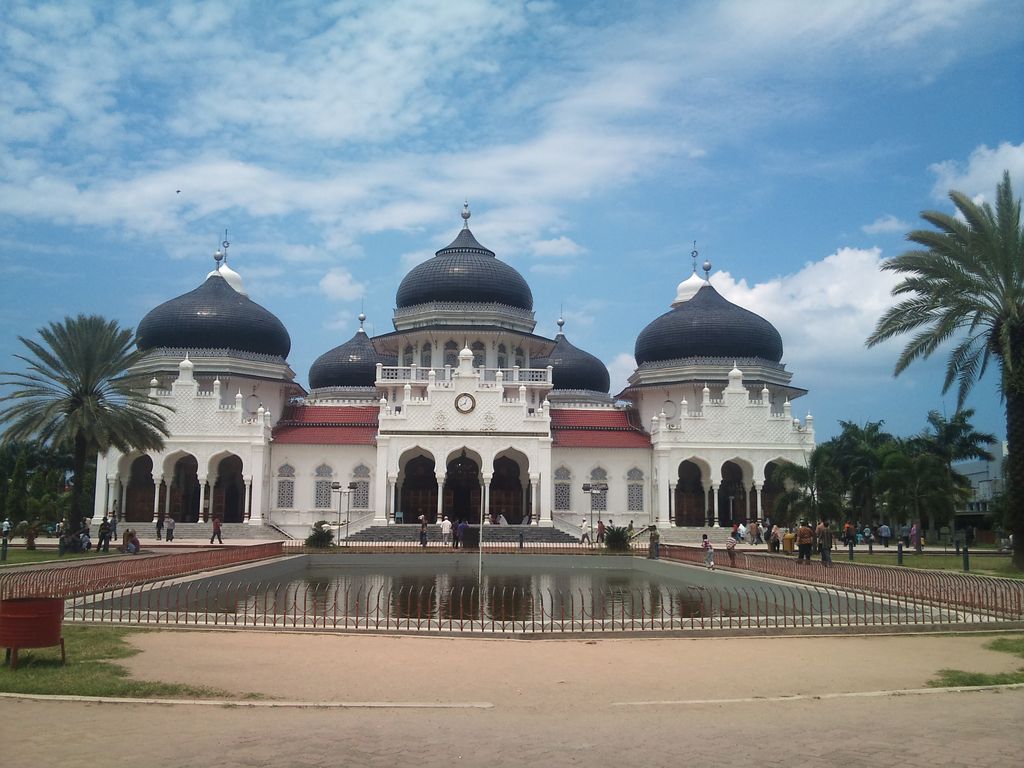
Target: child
(730, 550)
(709, 553)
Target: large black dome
(465, 271)
(708, 326)
(214, 316)
(572, 368)
(352, 364)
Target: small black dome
(465, 271)
(353, 364)
(708, 326)
(214, 316)
(572, 368)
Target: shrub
(321, 536)
(616, 538)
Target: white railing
(401, 374)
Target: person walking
(804, 541)
(600, 531)
(825, 543)
(446, 530)
(730, 550)
(216, 531)
(169, 527)
(585, 532)
(884, 533)
(103, 545)
(654, 543)
(423, 530)
(159, 527)
(709, 551)
(460, 533)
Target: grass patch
(91, 669)
(990, 565)
(22, 556)
(955, 678)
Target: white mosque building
(461, 411)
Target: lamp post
(345, 491)
(594, 489)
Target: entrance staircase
(492, 533)
(694, 536)
(198, 531)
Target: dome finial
(224, 245)
(694, 254)
(465, 214)
(706, 266)
(561, 323)
(362, 319)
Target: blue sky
(796, 142)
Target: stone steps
(200, 531)
(492, 533)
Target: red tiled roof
(328, 425)
(595, 429)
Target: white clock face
(465, 403)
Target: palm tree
(811, 491)
(75, 395)
(968, 283)
(857, 455)
(916, 485)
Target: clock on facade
(465, 403)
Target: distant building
(461, 410)
(986, 479)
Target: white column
(535, 498)
(202, 497)
(248, 498)
(124, 500)
(440, 497)
(755, 499)
(167, 499)
(157, 479)
(715, 512)
(111, 495)
(673, 511)
(486, 514)
(661, 492)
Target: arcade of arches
(182, 495)
(462, 491)
(734, 502)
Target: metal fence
(513, 611)
(1003, 598)
(78, 577)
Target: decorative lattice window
(635, 497)
(361, 493)
(502, 356)
(425, 355)
(563, 497)
(563, 490)
(408, 355)
(286, 487)
(520, 357)
(322, 488)
(451, 354)
(599, 501)
(479, 354)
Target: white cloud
(982, 172)
(887, 224)
(825, 312)
(620, 369)
(339, 284)
(559, 246)
(553, 270)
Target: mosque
(461, 410)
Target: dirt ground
(609, 702)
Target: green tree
(966, 283)
(17, 495)
(76, 396)
(917, 485)
(856, 454)
(812, 491)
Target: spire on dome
(693, 255)
(465, 214)
(561, 324)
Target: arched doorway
(690, 500)
(138, 502)
(507, 491)
(228, 501)
(462, 489)
(732, 496)
(185, 490)
(771, 490)
(419, 490)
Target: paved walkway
(621, 702)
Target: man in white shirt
(446, 530)
(742, 531)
